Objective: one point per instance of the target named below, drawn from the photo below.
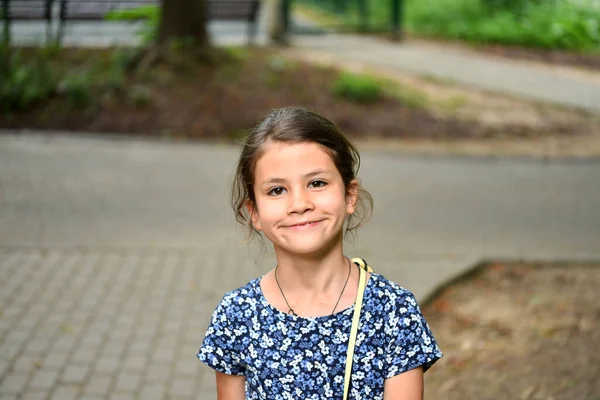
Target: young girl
(285, 335)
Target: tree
(183, 20)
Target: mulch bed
(518, 332)
(222, 101)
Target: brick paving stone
(152, 391)
(65, 344)
(140, 346)
(119, 334)
(123, 396)
(115, 347)
(26, 363)
(39, 345)
(84, 356)
(44, 378)
(98, 385)
(14, 382)
(4, 366)
(163, 355)
(182, 386)
(107, 364)
(8, 351)
(205, 395)
(55, 359)
(91, 339)
(65, 393)
(74, 374)
(128, 382)
(187, 365)
(135, 363)
(158, 373)
(34, 395)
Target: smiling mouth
(304, 225)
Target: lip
(304, 225)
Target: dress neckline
(294, 318)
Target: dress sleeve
(411, 343)
(219, 348)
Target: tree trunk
(183, 19)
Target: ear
(352, 196)
(253, 212)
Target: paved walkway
(113, 254)
(557, 85)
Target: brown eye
(317, 184)
(276, 191)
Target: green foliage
(134, 14)
(32, 76)
(22, 84)
(236, 53)
(546, 24)
(78, 89)
(358, 88)
(551, 24)
(149, 15)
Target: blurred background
(478, 123)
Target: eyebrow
(306, 176)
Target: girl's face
(301, 202)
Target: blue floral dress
(289, 357)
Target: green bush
(551, 24)
(77, 89)
(150, 15)
(359, 88)
(545, 24)
(24, 83)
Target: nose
(300, 202)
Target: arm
(405, 386)
(230, 387)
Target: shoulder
(390, 292)
(240, 299)
(391, 302)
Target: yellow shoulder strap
(362, 263)
(362, 279)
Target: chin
(307, 249)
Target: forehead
(289, 159)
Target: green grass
(359, 88)
(368, 89)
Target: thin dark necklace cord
(291, 310)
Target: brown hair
(297, 125)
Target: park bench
(90, 10)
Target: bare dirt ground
(520, 331)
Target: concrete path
(557, 85)
(113, 253)
(113, 33)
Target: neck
(312, 274)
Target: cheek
(270, 210)
(333, 202)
